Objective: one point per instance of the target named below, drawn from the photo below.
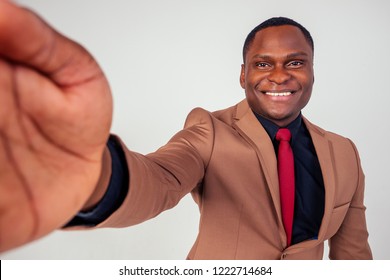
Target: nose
(279, 75)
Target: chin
(281, 119)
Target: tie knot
(283, 134)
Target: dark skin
(277, 74)
(56, 111)
(55, 117)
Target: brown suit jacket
(227, 161)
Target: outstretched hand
(55, 117)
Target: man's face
(277, 74)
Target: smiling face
(277, 73)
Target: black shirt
(309, 184)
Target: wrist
(102, 184)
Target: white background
(164, 58)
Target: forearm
(138, 187)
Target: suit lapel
(324, 151)
(251, 129)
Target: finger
(25, 38)
(6, 99)
(12, 187)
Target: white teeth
(278, 93)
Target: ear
(242, 76)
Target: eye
(295, 64)
(262, 65)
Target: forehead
(280, 39)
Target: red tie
(286, 180)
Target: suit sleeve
(351, 240)
(159, 180)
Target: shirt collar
(272, 128)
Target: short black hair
(275, 21)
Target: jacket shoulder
(331, 136)
(200, 115)
(340, 145)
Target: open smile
(284, 93)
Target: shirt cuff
(116, 191)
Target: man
(58, 109)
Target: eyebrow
(289, 56)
